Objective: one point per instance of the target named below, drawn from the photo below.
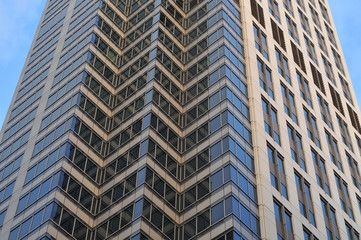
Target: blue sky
(21, 18)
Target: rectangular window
(265, 78)
(354, 170)
(304, 22)
(338, 60)
(278, 35)
(358, 202)
(270, 121)
(346, 139)
(311, 124)
(320, 169)
(345, 89)
(304, 89)
(304, 198)
(329, 215)
(301, 4)
(352, 234)
(288, 6)
(344, 196)
(358, 141)
(321, 42)
(333, 150)
(317, 78)
(315, 17)
(295, 140)
(289, 104)
(2, 217)
(260, 41)
(282, 64)
(328, 70)
(274, 9)
(324, 12)
(325, 111)
(277, 171)
(308, 235)
(14, 146)
(298, 57)
(311, 50)
(331, 35)
(354, 119)
(257, 12)
(292, 28)
(336, 99)
(283, 221)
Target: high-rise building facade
(182, 119)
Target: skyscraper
(194, 119)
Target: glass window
(203, 188)
(37, 220)
(45, 187)
(34, 195)
(203, 221)
(25, 228)
(114, 224)
(79, 230)
(2, 217)
(216, 150)
(190, 229)
(67, 222)
(216, 179)
(217, 212)
(215, 124)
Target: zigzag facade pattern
(182, 119)
(136, 110)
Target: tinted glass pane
(217, 212)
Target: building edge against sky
(179, 119)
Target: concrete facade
(202, 119)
